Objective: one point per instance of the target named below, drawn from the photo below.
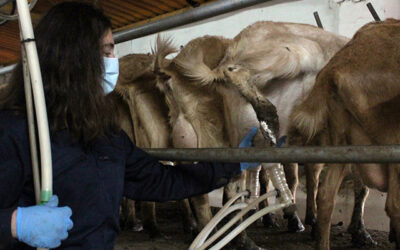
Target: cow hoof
(294, 224)
(190, 227)
(246, 244)
(362, 238)
(193, 231)
(153, 231)
(138, 227)
(310, 220)
(270, 221)
(392, 237)
(314, 232)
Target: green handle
(45, 196)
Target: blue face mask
(110, 77)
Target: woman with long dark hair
(94, 162)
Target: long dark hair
(69, 42)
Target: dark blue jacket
(93, 181)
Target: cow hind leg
(312, 172)
(326, 201)
(202, 210)
(359, 235)
(269, 220)
(293, 220)
(189, 221)
(242, 241)
(393, 234)
(149, 220)
(393, 203)
(128, 219)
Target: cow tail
(310, 116)
(163, 48)
(193, 67)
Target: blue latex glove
(281, 141)
(248, 142)
(44, 226)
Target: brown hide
(277, 62)
(149, 112)
(200, 105)
(216, 115)
(194, 110)
(148, 115)
(355, 101)
(269, 50)
(124, 115)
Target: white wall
(339, 16)
(354, 14)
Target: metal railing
(307, 154)
(189, 16)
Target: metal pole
(189, 16)
(331, 154)
(4, 2)
(7, 69)
(373, 12)
(318, 20)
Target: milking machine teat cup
(240, 205)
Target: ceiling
(123, 13)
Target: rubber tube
(38, 97)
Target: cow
(276, 61)
(355, 101)
(128, 217)
(146, 124)
(204, 116)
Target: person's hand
(44, 226)
(248, 142)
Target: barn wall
(339, 16)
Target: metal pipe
(7, 69)
(318, 20)
(189, 16)
(4, 2)
(373, 12)
(331, 154)
(15, 16)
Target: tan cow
(148, 113)
(355, 101)
(204, 116)
(128, 217)
(277, 61)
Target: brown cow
(148, 113)
(204, 116)
(128, 217)
(277, 61)
(355, 101)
